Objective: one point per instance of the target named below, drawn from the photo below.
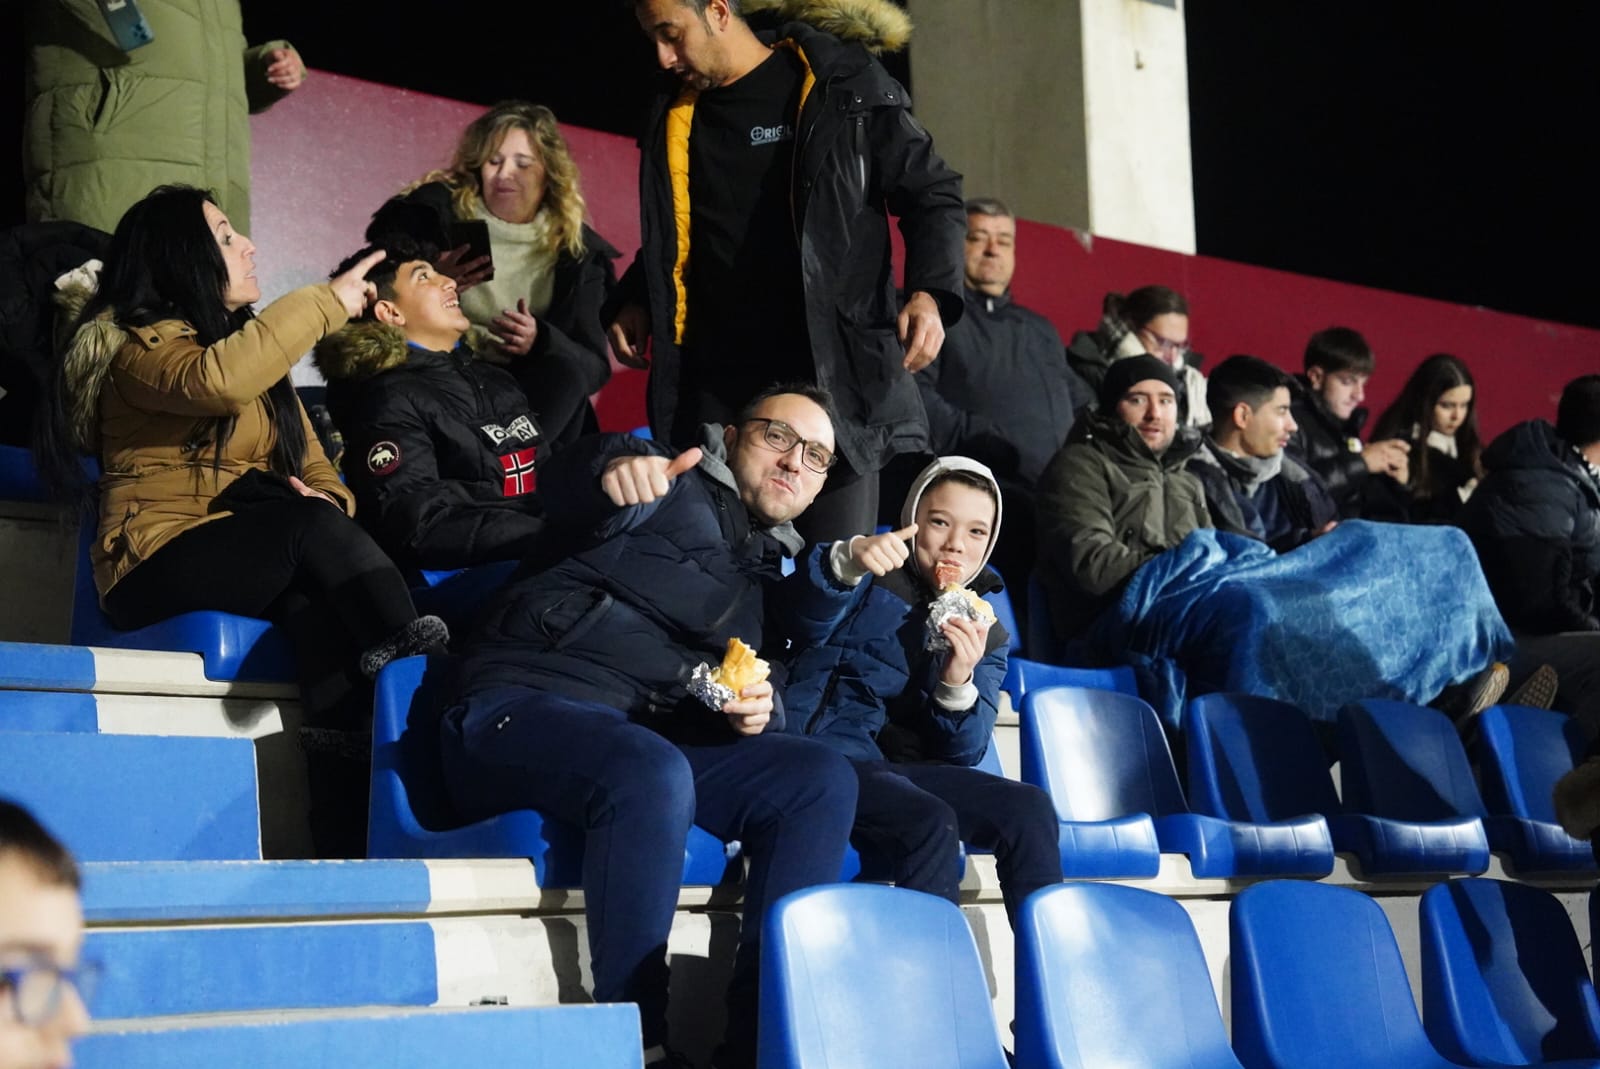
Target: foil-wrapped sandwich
(740, 668)
(953, 600)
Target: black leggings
(299, 562)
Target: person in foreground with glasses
(1149, 321)
(41, 932)
(576, 697)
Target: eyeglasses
(1165, 345)
(38, 988)
(779, 437)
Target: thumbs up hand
(639, 480)
(881, 554)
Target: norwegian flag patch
(519, 471)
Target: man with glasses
(41, 932)
(576, 702)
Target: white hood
(908, 511)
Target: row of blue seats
(1261, 799)
(1110, 975)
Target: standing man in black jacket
(767, 174)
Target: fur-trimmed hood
(86, 357)
(878, 25)
(367, 347)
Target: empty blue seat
(1521, 754)
(410, 813)
(863, 975)
(541, 1037)
(1318, 982)
(1104, 759)
(1112, 975)
(1024, 674)
(1503, 978)
(1258, 760)
(138, 797)
(1410, 803)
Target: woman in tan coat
(214, 492)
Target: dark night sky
(1429, 150)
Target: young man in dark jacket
(1365, 479)
(1535, 522)
(441, 447)
(1252, 485)
(575, 699)
(913, 719)
(767, 174)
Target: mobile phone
(474, 234)
(127, 24)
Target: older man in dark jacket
(767, 175)
(1535, 521)
(576, 703)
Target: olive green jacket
(1106, 505)
(103, 127)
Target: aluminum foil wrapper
(713, 694)
(942, 608)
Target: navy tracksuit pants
(790, 802)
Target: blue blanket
(1369, 610)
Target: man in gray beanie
(1535, 522)
(1116, 494)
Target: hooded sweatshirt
(862, 680)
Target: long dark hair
(1410, 416)
(163, 263)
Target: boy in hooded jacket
(914, 720)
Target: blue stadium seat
(1024, 674)
(542, 1037)
(1522, 752)
(1042, 640)
(1318, 981)
(1503, 978)
(642, 432)
(1112, 975)
(19, 480)
(164, 972)
(1258, 760)
(456, 597)
(1104, 759)
(232, 647)
(1410, 804)
(1006, 617)
(831, 955)
(410, 814)
(138, 797)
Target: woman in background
(1151, 320)
(1437, 413)
(539, 292)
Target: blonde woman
(539, 291)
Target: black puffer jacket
(1535, 521)
(859, 156)
(1001, 391)
(440, 449)
(642, 595)
(1329, 446)
(570, 331)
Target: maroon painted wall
(330, 153)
